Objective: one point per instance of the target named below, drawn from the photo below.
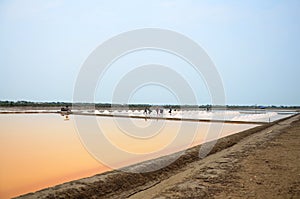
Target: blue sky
(255, 46)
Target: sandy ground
(263, 162)
(265, 165)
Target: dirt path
(264, 165)
(271, 172)
(258, 163)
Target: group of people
(159, 111)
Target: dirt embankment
(263, 165)
(246, 164)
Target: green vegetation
(32, 104)
(132, 106)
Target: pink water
(42, 150)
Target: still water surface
(42, 150)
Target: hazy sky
(255, 46)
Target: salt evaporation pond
(42, 150)
(253, 116)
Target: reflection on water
(38, 151)
(67, 118)
(42, 150)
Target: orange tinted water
(42, 150)
(38, 151)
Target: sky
(255, 46)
